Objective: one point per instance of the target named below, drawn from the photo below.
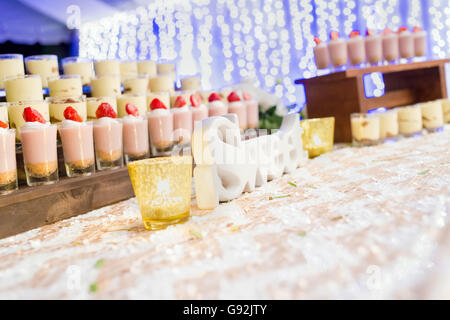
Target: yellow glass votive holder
(318, 135)
(163, 190)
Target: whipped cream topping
(182, 109)
(70, 123)
(216, 104)
(200, 107)
(130, 118)
(35, 125)
(235, 104)
(320, 45)
(4, 131)
(107, 120)
(158, 112)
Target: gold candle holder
(318, 135)
(163, 190)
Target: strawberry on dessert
(105, 110)
(157, 104)
(182, 120)
(387, 31)
(334, 35)
(317, 40)
(356, 49)
(321, 55)
(3, 125)
(160, 124)
(239, 108)
(402, 29)
(196, 100)
(72, 114)
(354, 34)
(132, 110)
(216, 106)
(32, 115)
(337, 48)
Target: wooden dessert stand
(341, 93)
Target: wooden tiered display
(341, 93)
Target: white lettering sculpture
(226, 166)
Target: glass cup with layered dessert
(108, 138)
(182, 121)
(79, 66)
(410, 120)
(57, 106)
(45, 65)
(167, 68)
(432, 115)
(420, 43)
(162, 83)
(106, 86)
(78, 144)
(199, 110)
(390, 46)
(374, 48)
(160, 125)
(128, 69)
(23, 88)
(136, 85)
(8, 169)
(39, 148)
(147, 67)
(252, 110)
(107, 67)
(321, 55)
(388, 124)
(137, 100)
(365, 129)
(65, 86)
(405, 44)
(191, 83)
(11, 65)
(356, 49)
(238, 107)
(162, 96)
(135, 135)
(93, 103)
(216, 107)
(337, 48)
(16, 110)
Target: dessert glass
(410, 120)
(390, 47)
(406, 45)
(138, 100)
(147, 67)
(432, 116)
(78, 147)
(389, 124)
(136, 85)
(374, 49)
(108, 143)
(45, 65)
(106, 86)
(420, 43)
(135, 138)
(128, 69)
(356, 51)
(163, 96)
(167, 69)
(65, 86)
(182, 124)
(365, 129)
(57, 105)
(252, 113)
(338, 53)
(107, 68)
(191, 83)
(239, 108)
(39, 153)
(21, 88)
(15, 112)
(80, 66)
(11, 65)
(93, 103)
(185, 94)
(318, 135)
(160, 127)
(8, 169)
(161, 84)
(321, 56)
(217, 108)
(199, 113)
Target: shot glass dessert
(147, 67)
(161, 84)
(174, 95)
(135, 135)
(136, 85)
(39, 149)
(216, 107)
(405, 43)
(128, 69)
(93, 103)
(78, 144)
(106, 86)
(79, 66)
(199, 110)
(365, 129)
(337, 49)
(389, 124)
(57, 106)
(420, 42)
(390, 46)
(107, 68)
(11, 65)
(432, 115)
(16, 110)
(65, 86)
(410, 120)
(45, 65)
(191, 83)
(446, 110)
(108, 138)
(164, 97)
(137, 100)
(21, 88)
(356, 49)
(321, 55)
(182, 121)
(235, 105)
(4, 112)
(160, 124)
(252, 110)
(8, 169)
(167, 69)
(374, 48)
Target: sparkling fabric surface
(354, 223)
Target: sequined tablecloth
(354, 223)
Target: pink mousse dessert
(39, 148)
(420, 42)
(78, 144)
(235, 105)
(405, 43)
(108, 138)
(8, 169)
(321, 55)
(337, 49)
(199, 110)
(390, 45)
(216, 107)
(135, 135)
(182, 121)
(252, 110)
(374, 47)
(356, 49)
(160, 123)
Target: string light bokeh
(270, 41)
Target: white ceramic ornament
(226, 166)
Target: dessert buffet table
(354, 223)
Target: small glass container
(57, 105)
(8, 168)
(107, 67)
(374, 49)
(163, 190)
(147, 67)
(92, 104)
(21, 88)
(65, 86)
(78, 146)
(135, 138)
(11, 65)
(337, 50)
(318, 135)
(108, 143)
(80, 66)
(365, 129)
(138, 100)
(15, 113)
(406, 46)
(136, 85)
(106, 86)
(167, 68)
(128, 69)
(409, 120)
(390, 47)
(160, 126)
(193, 83)
(356, 51)
(39, 154)
(389, 125)
(161, 83)
(182, 119)
(45, 65)
(432, 116)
